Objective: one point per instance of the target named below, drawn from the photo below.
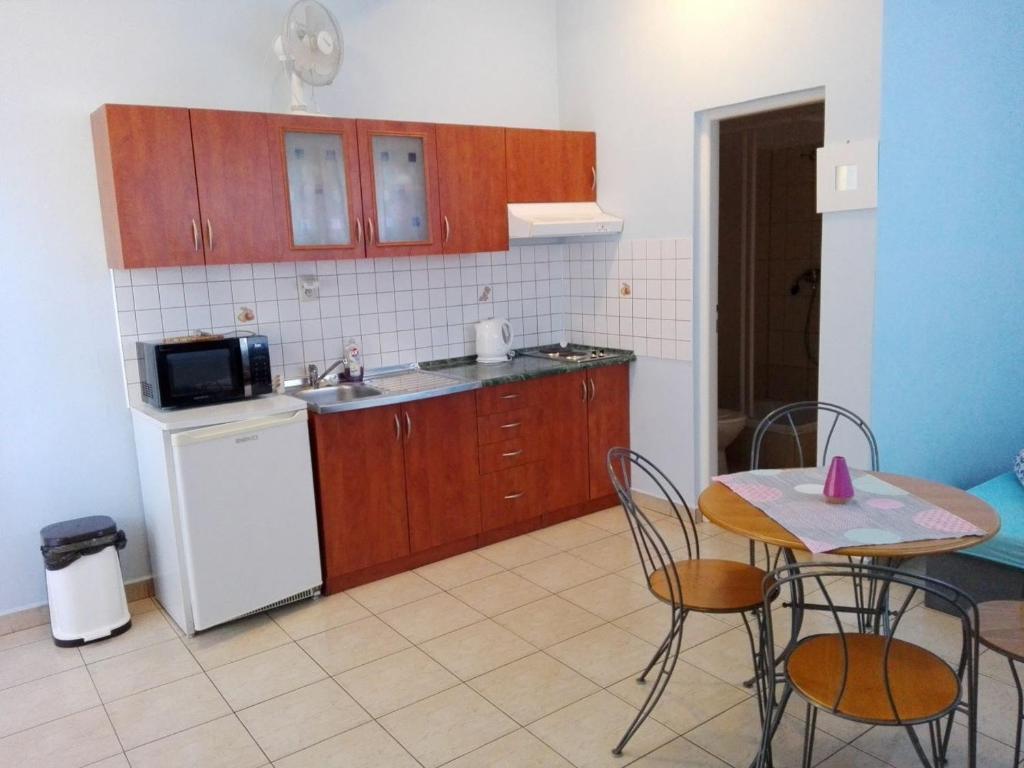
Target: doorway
(769, 269)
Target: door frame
(705, 247)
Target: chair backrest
(893, 593)
(655, 555)
(788, 418)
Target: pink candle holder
(838, 484)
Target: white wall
(638, 72)
(66, 446)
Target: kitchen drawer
(511, 495)
(509, 453)
(506, 397)
(499, 427)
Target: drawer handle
(510, 396)
(511, 496)
(510, 454)
(512, 425)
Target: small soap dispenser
(353, 362)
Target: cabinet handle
(510, 454)
(209, 233)
(447, 229)
(359, 236)
(593, 389)
(511, 425)
(195, 235)
(511, 496)
(593, 178)
(408, 426)
(510, 396)
(370, 237)
(583, 390)
(398, 428)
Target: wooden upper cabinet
(314, 164)
(147, 186)
(473, 188)
(551, 166)
(398, 178)
(232, 163)
(441, 470)
(607, 421)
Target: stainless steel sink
(340, 393)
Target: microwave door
(202, 373)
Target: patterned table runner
(879, 513)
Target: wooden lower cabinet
(442, 470)
(607, 421)
(564, 415)
(511, 496)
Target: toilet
(730, 424)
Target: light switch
(846, 178)
(309, 287)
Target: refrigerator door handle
(221, 431)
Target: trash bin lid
(80, 529)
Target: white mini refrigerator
(230, 510)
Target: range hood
(526, 220)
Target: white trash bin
(83, 580)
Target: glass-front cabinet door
(398, 168)
(316, 164)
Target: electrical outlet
(309, 287)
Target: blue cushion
(1006, 496)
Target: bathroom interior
(769, 262)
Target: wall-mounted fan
(311, 48)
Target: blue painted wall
(948, 372)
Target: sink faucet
(315, 377)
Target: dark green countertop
(520, 367)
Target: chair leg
(1020, 712)
(668, 664)
(917, 746)
(660, 652)
(810, 725)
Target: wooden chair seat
(712, 586)
(923, 686)
(1002, 627)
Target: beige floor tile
(520, 550)
(290, 723)
(548, 621)
(996, 666)
(605, 654)
(222, 743)
(692, 697)
(722, 547)
(499, 593)
(612, 520)
(23, 663)
(532, 688)
(610, 597)
(25, 636)
(477, 649)
(893, 746)
(680, 753)
(520, 749)
(49, 698)
(354, 644)
(368, 746)
(726, 656)
(447, 725)
(850, 757)
(430, 617)
(585, 732)
(995, 700)
(265, 675)
(148, 628)
(117, 761)
(735, 736)
(653, 622)
(318, 615)
(570, 534)
(135, 671)
(165, 710)
(231, 642)
(396, 681)
(71, 742)
(560, 572)
(612, 553)
(385, 594)
(457, 570)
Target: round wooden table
(727, 510)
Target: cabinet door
(564, 425)
(314, 165)
(147, 182)
(607, 420)
(551, 166)
(441, 470)
(360, 477)
(398, 177)
(473, 189)
(233, 173)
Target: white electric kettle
(493, 341)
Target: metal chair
(870, 677)
(686, 585)
(1002, 631)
